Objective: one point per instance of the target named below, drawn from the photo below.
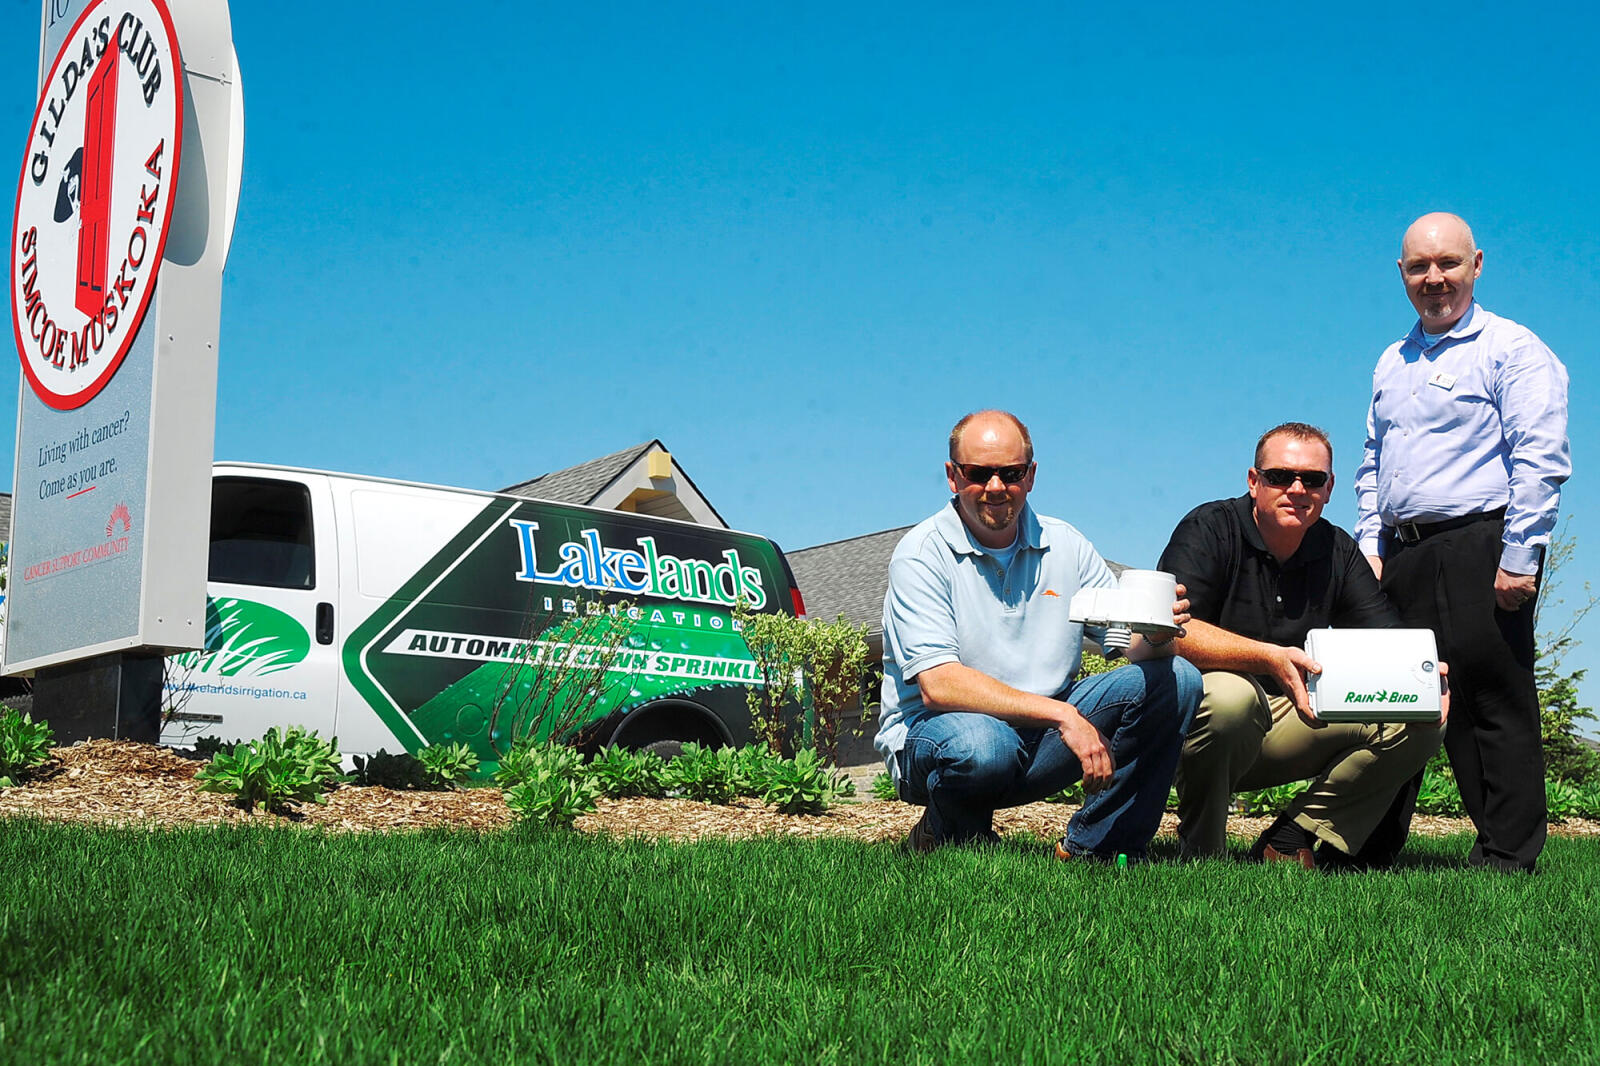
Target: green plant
(1269, 800)
(1562, 800)
(529, 758)
(284, 766)
(800, 659)
(545, 785)
(1096, 664)
(753, 767)
(210, 745)
(1073, 793)
(774, 643)
(803, 785)
(24, 745)
(447, 765)
(832, 657)
(883, 787)
(705, 774)
(1438, 794)
(400, 772)
(1589, 800)
(620, 773)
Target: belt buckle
(1407, 532)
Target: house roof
(847, 577)
(581, 483)
(610, 479)
(850, 577)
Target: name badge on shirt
(1442, 380)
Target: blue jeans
(964, 765)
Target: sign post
(116, 261)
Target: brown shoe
(1306, 859)
(922, 839)
(1062, 854)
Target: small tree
(1566, 755)
(834, 654)
(564, 666)
(773, 640)
(798, 659)
(177, 689)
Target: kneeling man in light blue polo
(980, 710)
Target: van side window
(261, 533)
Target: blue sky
(795, 243)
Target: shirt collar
(1318, 542)
(1468, 324)
(955, 532)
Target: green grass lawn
(245, 945)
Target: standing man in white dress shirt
(1457, 497)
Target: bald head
(1440, 264)
(989, 425)
(1438, 225)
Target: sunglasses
(1281, 478)
(980, 475)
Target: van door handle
(324, 623)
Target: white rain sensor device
(1374, 675)
(1143, 604)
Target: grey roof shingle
(581, 483)
(847, 577)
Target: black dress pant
(1446, 583)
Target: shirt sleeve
(1193, 556)
(1369, 525)
(1361, 603)
(1531, 393)
(919, 619)
(1093, 573)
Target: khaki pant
(1243, 739)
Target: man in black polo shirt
(1262, 571)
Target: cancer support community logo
(95, 197)
(119, 529)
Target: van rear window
(261, 533)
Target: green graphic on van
(443, 657)
(488, 708)
(247, 639)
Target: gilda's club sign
(95, 196)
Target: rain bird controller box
(1374, 675)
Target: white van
(395, 615)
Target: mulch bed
(113, 782)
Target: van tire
(667, 750)
(666, 727)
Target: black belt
(1413, 532)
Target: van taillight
(799, 602)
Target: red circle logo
(94, 203)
